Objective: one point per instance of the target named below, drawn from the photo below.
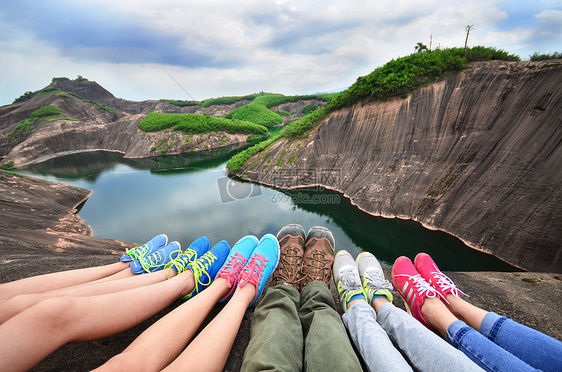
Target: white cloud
(219, 47)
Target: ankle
(378, 301)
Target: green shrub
(198, 124)
(257, 114)
(543, 57)
(238, 160)
(227, 100)
(308, 109)
(46, 111)
(180, 103)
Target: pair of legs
(296, 326)
(493, 342)
(375, 325)
(294, 331)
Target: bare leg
(437, 314)
(160, 344)
(17, 304)
(74, 319)
(62, 279)
(210, 349)
(469, 313)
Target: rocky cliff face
(87, 126)
(478, 155)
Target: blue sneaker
(197, 249)
(206, 267)
(263, 261)
(154, 244)
(157, 260)
(237, 258)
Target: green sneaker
(372, 277)
(346, 276)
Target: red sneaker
(427, 268)
(412, 287)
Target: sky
(194, 50)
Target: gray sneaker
(346, 276)
(372, 277)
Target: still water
(189, 196)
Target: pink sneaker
(412, 287)
(427, 268)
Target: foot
(157, 260)
(372, 277)
(206, 267)
(346, 276)
(235, 262)
(195, 250)
(154, 244)
(261, 264)
(427, 268)
(412, 287)
(318, 256)
(291, 247)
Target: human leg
(276, 342)
(425, 304)
(58, 280)
(70, 278)
(326, 343)
(17, 304)
(76, 319)
(372, 342)
(209, 350)
(535, 348)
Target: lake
(190, 196)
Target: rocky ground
(40, 233)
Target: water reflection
(132, 201)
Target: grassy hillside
(397, 78)
(199, 124)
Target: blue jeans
(505, 345)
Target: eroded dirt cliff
(478, 155)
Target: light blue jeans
(425, 350)
(505, 345)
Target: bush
(198, 124)
(227, 100)
(543, 57)
(180, 103)
(46, 111)
(308, 109)
(256, 113)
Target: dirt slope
(478, 155)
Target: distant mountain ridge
(92, 118)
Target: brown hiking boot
(291, 247)
(318, 256)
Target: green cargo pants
(294, 331)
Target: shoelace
(421, 286)
(154, 260)
(253, 271)
(231, 270)
(373, 281)
(349, 280)
(318, 264)
(289, 259)
(137, 253)
(199, 268)
(445, 283)
(181, 261)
